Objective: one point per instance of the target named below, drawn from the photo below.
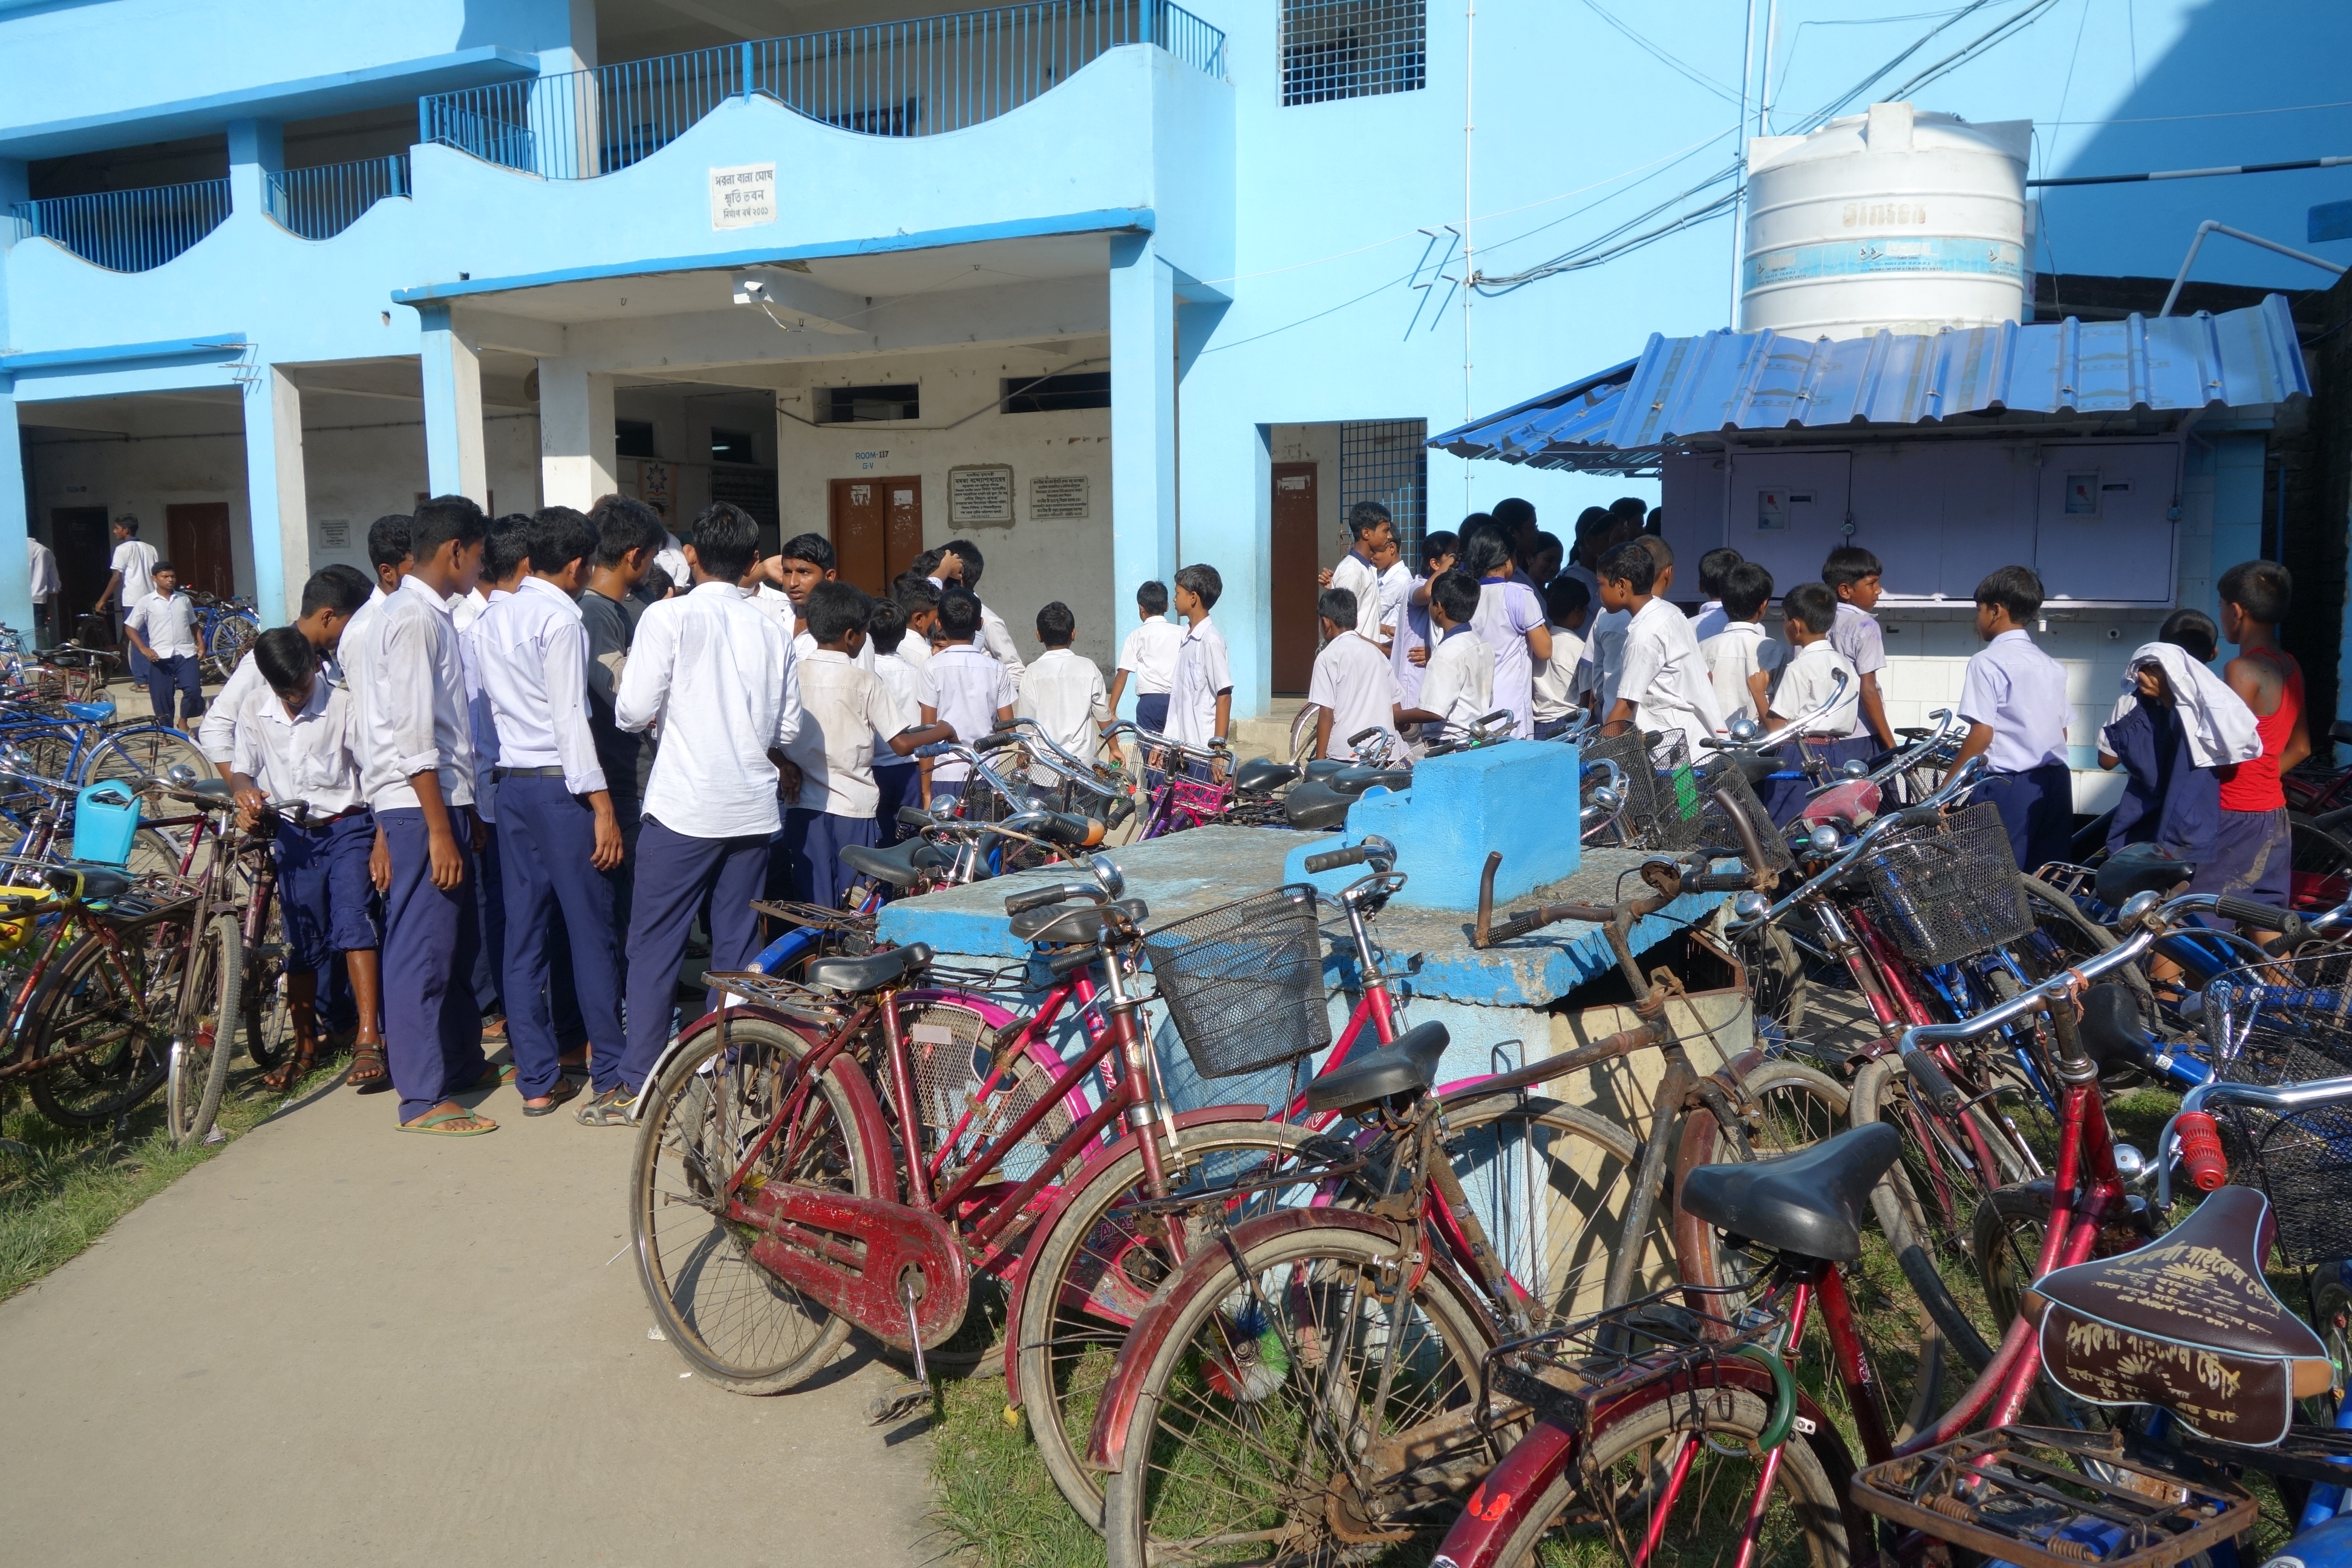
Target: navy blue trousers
(490, 912)
(675, 875)
(1151, 712)
(324, 895)
(180, 675)
(901, 786)
(548, 835)
(813, 841)
(431, 1026)
(2037, 806)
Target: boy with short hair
(1201, 694)
(914, 704)
(292, 745)
(1604, 650)
(1409, 655)
(960, 562)
(163, 631)
(627, 537)
(1664, 683)
(329, 599)
(1396, 583)
(1150, 654)
(1352, 688)
(130, 580)
(1852, 573)
(1807, 613)
(2251, 857)
(919, 603)
(2013, 699)
(806, 561)
(1741, 660)
(1369, 527)
(1457, 686)
(1713, 571)
(1062, 691)
(1566, 605)
(976, 692)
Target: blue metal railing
(893, 79)
(319, 203)
(129, 231)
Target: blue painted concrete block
(1520, 797)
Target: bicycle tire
(143, 749)
(200, 1058)
(1797, 1107)
(264, 1021)
(2054, 909)
(1321, 1287)
(85, 991)
(228, 641)
(1627, 1459)
(734, 1093)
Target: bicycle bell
(2138, 907)
(1742, 731)
(1107, 875)
(1750, 905)
(182, 775)
(1856, 768)
(2132, 1165)
(1825, 840)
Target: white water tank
(1890, 220)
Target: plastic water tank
(1892, 220)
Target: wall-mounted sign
(743, 196)
(981, 494)
(2083, 494)
(1058, 498)
(334, 533)
(1773, 510)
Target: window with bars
(1384, 460)
(1352, 48)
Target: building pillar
(1142, 422)
(277, 504)
(16, 585)
(453, 462)
(576, 462)
(257, 150)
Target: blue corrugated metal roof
(1628, 416)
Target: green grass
(997, 1505)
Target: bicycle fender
(1213, 1270)
(1068, 1194)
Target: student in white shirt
(1201, 694)
(1511, 621)
(960, 562)
(671, 558)
(918, 598)
(506, 561)
(1396, 586)
(292, 744)
(1062, 691)
(1457, 685)
(1150, 654)
(914, 705)
(1566, 605)
(44, 583)
(806, 560)
(418, 759)
(131, 579)
(843, 709)
(1807, 613)
(163, 631)
(717, 675)
(1369, 527)
(1742, 657)
(975, 692)
(1352, 688)
(329, 599)
(1408, 654)
(1714, 575)
(1664, 685)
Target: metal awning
(1683, 390)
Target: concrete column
(575, 435)
(278, 508)
(15, 582)
(1142, 422)
(257, 150)
(452, 368)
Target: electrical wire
(1688, 72)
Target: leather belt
(554, 773)
(321, 823)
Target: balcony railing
(129, 231)
(894, 78)
(319, 203)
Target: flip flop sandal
(494, 1074)
(369, 1056)
(565, 1088)
(437, 1125)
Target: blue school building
(1106, 286)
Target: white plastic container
(1890, 220)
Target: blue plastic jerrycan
(106, 815)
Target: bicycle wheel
(226, 642)
(264, 1021)
(2321, 866)
(200, 1057)
(1797, 1107)
(143, 751)
(101, 1021)
(2065, 936)
(1278, 1416)
(1616, 1491)
(736, 1324)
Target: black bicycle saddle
(1808, 1202)
(1263, 775)
(900, 866)
(870, 973)
(1407, 1065)
(2139, 869)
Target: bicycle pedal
(892, 1403)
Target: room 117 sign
(743, 196)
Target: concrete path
(341, 1343)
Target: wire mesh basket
(1663, 798)
(2278, 1024)
(1243, 982)
(1950, 891)
(1726, 789)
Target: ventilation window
(634, 439)
(1053, 393)
(731, 446)
(858, 405)
(1352, 48)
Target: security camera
(752, 290)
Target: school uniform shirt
(1396, 587)
(911, 691)
(1202, 672)
(306, 755)
(1150, 654)
(464, 609)
(42, 564)
(1064, 692)
(1413, 630)
(1855, 634)
(671, 558)
(843, 708)
(1352, 679)
(1805, 685)
(168, 624)
(1507, 612)
(481, 725)
(362, 641)
(1667, 679)
(1554, 678)
(2020, 691)
(914, 650)
(531, 646)
(717, 676)
(1737, 651)
(1356, 575)
(775, 604)
(996, 638)
(216, 735)
(416, 705)
(804, 643)
(136, 561)
(1604, 657)
(1458, 683)
(971, 686)
(1708, 621)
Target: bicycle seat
(1808, 1202)
(1852, 802)
(2187, 1322)
(870, 973)
(1322, 768)
(1356, 781)
(1316, 803)
(1263, 775)
(900, 866)
(1406, 1065)
(92, 883)
(91, 712)
(2111, 1025)
(1079, 923)
(2139, 869)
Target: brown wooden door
(85, 550)
(876, 526)
(1293, 569)
(197, 535)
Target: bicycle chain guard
(858, 1256)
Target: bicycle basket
(2278, 1024)
(1663, 797)
(1950, 891)
(1243, 982)
(1724, 788)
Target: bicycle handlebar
(1926, 814)
(1060, 893)
(1215, 752)
(1378, 851)
(1794, 727)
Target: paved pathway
(337, 1343)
